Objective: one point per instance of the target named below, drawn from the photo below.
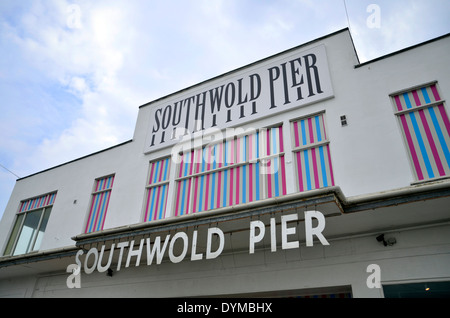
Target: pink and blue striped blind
(157, 190)
(426, 129)
(38, 202)
(312, 153)
(236, 171)
(99, 204)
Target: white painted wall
(420, 254)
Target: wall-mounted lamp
(386, 242)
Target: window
(426, 130)
(238, 170)
(99, 204)
(418, 290)
(157, 190)
(312, 153)
(30, 225)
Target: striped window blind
(426, 130)
(37, 203)
(312, 153)
(99, 204)
(157, 190)
(235, 171)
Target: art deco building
(306, 173)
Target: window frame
(147, 214)
(325, 142)
(94, 193)
(420, 171)
(21, 216)
(229, 164)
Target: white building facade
(306, 173)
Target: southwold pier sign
(131, 252)
(279, 84)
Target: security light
(386, 242)
(380, 238)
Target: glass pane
(14, 233)
(156, 203)
(29, 228)
(159, 171)
(41, 232)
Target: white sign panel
(272, 86)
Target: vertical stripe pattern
(38, 202)
(99, 204)
(313, 163)
(157, 190)
(232, 172)
(159, 171)
(272, 168)
(426, 130)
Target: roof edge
(346, 29)
(77, 159)
(403, 50)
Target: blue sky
(73, 73)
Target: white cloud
(403, 23)
(85, 61)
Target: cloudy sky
(74, 72)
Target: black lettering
(253, 108)
(285, 84)
(153, 141)
(230, 91)
(202, 105)
(176, 121)
(272, 78)
(255, 88)
(156, 120)
(313, 67)
(295, 71)
(215, 97)
(240, 100)
(187, 102)
(166, 117)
